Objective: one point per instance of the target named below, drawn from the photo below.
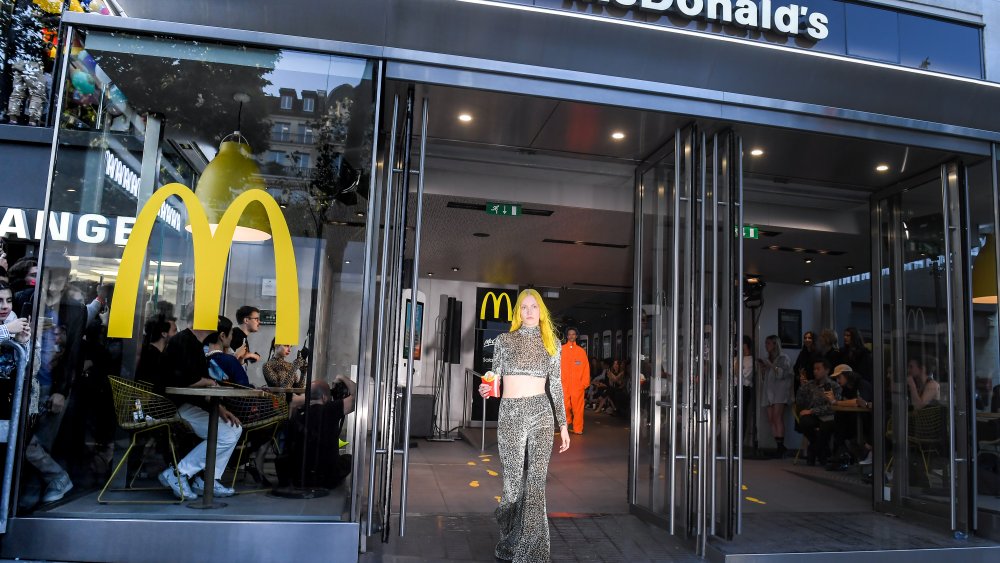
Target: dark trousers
(845, 432)
(818, 432)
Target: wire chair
(927, 433)
(256, 414)
(139, 410)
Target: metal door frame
(387, 346)
(886, 213)
(711, 272)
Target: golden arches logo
(211, 253)
(497, 300)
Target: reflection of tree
(195, 94)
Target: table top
(215, 392)
(296, 390)
(988, 415)
(839, 408)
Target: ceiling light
(618, 135)
(753, 280)
(806, 281)
(70, 189)
(347, 261)
(360, 213)
(882, 168)
(850, 267)
(454, 269)
(464, 117)
(757, 152)
(809, 260)
(430, 273)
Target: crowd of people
(830, 387)
(70, 440)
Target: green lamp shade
(232, 172)
(984, 274)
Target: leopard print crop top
(521, 352)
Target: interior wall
(437, 292)
(805, 298)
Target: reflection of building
(294, 118)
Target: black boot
(781, 447)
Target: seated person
(155, 335)
(223, 366)
(326, 467)
(923, 390)
(280, 373)
(855, 392)
(185, 365)
(815, 400)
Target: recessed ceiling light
(618, 135)
(347, 261)
(454, 269)
(430, 273)
(882, 168)
(360, 213)
(806, 281)
(464, 117)
(757, 152)
(850, 267)
(809, 260)
(70, 189)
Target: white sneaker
(57, 488)
(867, 460)
(178, 484)
(219, 490)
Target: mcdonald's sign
(497, 297)
(211, 253)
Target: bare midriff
(515, 386)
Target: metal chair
(804, 442)
(139, 411)
(926, 433)
(256, 414)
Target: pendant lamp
(984, 274)
(232, 172)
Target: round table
(214, 396)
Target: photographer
(278, 372)
(326, 467)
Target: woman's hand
(484, 389)
(564, 434)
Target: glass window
(131, 285)
(872, 33)
(308, 104)
(939, 46)
(281, 131)
(286, 102)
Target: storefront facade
(326, 90)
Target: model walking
(525, 358)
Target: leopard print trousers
(524, 430)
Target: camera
(340, 391)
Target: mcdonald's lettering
(211, 253)
(497, 300)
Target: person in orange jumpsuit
(575, 380)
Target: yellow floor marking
(758, 501)
(485, 455)
(485, 460)
(492, 473)
(471, 463)
(744, 487)
(474, 484)
(498, 499)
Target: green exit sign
(508, 209)
(751, 232)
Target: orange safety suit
(575, 380)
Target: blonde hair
(550, 336)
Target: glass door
(685, 460)
(922, 255)
(391, 379)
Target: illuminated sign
(211, 254)
(497, 301)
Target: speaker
(454, 340)
(422, 416)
